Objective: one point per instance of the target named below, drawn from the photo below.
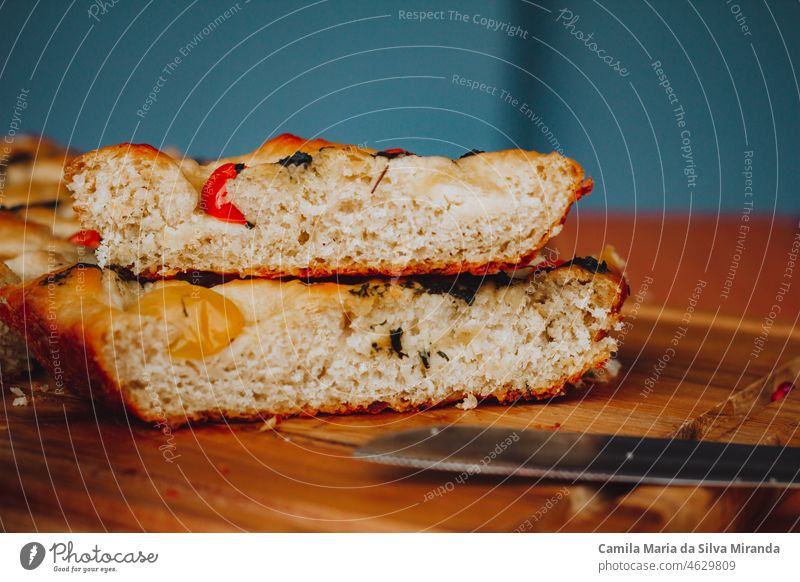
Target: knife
(585, 457)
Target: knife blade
(585, 457)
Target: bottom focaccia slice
(27, 250)
(13, 355)
(176, 352)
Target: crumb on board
(269, 424)
(613, 367)
(21, 399)
(602, 375)
(468, 403)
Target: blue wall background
(369, 73)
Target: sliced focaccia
(28, 250)
(60, 219)
(32, 169)
(13, 354)
(178, 352)
(316, 209)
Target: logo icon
(31, 555)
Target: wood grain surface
(65, 466)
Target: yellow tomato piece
(200, 322)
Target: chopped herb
(588, 263)
(425, 356)
(376, 347)
(464, 288)
(378, 181)
(183, 306)
(202, 278)
(396, 338)
(442, 354)
(296, 159)
(127, 275)
(61, 276)
(362, 291)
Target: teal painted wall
(217, 78)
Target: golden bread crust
(33, 172)
(28, 249)
(18, 237)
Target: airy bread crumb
(468, 403)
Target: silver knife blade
(585, 457)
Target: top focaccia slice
(312, 208)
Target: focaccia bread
(28, 250)
(177, 352)
(317, 209)
(18, 236)
(60, 220)
(13, 354)
(32, 170)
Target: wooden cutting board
(66, 466)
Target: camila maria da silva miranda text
(687, 548)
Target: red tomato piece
(213, 196)
(86, 238)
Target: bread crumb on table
(21, 399)
(268, 424)
(468, 403)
